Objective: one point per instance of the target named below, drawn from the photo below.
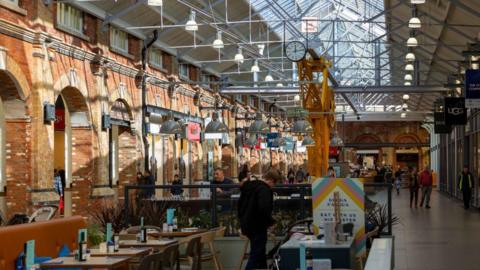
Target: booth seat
(49, 238)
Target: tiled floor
(445, 237)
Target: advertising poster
(351, 205)
(472, 88)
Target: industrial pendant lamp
(336, 141)
(302, 126)
(409, 67)
(407, 83)
(268, 78)
(170, 126)
(412, 42)
(408, 77)
(255, 67)
(191, 24)
(406, 97)
(279, 84)
(258, 126)
(155, 3)
(414, 23)
(417, 2)
(307, 141)
(215, 126)
(410, 57)
(239, 56)
(403, 115)
(218, 43)
(404, 106)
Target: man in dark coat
(255, 214)
(465, 184)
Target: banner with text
(472, 88)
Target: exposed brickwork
(127, 160)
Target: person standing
(149, 181)
(465, 184)
(426, 182)
(398, 179)
(255, 214)
(413, 185)
(220, 179)
(300, 175)
(291, 176)
(177, 183)
(244, 174)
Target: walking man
(465, 184)
(255, 214)
(426, 182)
(413, 185)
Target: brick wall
(127, 160)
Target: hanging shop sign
(439, 125)
(193, 132)
(472, 88)
(350, 204)
(59, 119)
(289, 144)
(272, 141)
(455, 111)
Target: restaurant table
(342, 254)
(177, 234)
(155, 244)
(123, 252)
(103, 262)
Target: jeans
(413, 195)
(426, 191)
(258, 248)
(467, 195)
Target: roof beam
(262, 90)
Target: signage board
(455, 111)
(309, 25)
(472, 88)
(272, 140)
(193, 132)
(297, 112)
(439, 125)
(59, 123)
(289, 144)
(351, 204)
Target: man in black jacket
(255, 214)
(465, 184)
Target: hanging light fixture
(215, 126)
(239, 56)
(406, 97)
(279, 84)
(296, 98)
(417, 2)
(410, 57)
(258, 126)
(155, 3)
(191, 24)
(255, 67)
(407, 84)
(404, 106)
(336, 141)
(412, 42)
(403, 115)
(302, 126)
(409, 67)
(170, 126)
(218, 43)
(308, 141)
(408, 77)
(268, 78)
(414, 23)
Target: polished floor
(445, 237)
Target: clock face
(295, 51)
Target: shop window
(156, 58)
(251, 101)
(184, 71)
(119, 40)
(205, 79)
(70, 18)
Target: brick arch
(16, 74)
(367, 138)
(407, 138)
(120, 109)
(125, 97)
(14, 90)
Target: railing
(205, 206)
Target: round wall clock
(295, 51)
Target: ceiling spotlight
(403, 115)
(410, 57)
(268, 78)
(407, 84)
(408, 77)
(218, 43)
(191, 24)
(417, 2)
(239, 56)
(412, 42)
(155, 3)
(409, 67)
(406, 97)
(414, 23)
(255, 67)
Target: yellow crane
(318, 100)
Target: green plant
(202, 220)
(95, 235)
(153, 213)
(109, 212)
(378, 217)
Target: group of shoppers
(419, 181)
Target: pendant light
(302, 126)
(404, 106)
(215, 126)
(258, 126)
(296, 98)
(403, 115)
(408, 77)
(417, 2)
(239, 56)
(308, 141)
(412, 42)
(414, 23)
(279, 84)
(336, 141)
(409, 67)
(406, 97)
(170, 126)
(155, 3)
(255, 67)
(407, 84)
(410, 57)
(218, 43)
(191, 24)
(268, 78)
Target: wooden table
(177, 234)
(155, 244)
(123, 252)
(104, 262)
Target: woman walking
(414, 185)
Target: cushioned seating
(49, 236)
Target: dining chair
(151, 262)
(171, 259)
(193, 253)
(208, 249)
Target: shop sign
(351, 206)
(59, 119)
(154, 128)
(272, 140)
(455, 111)
(309, 25)
(472, 88)
(193, 132)
(439, 125)
(289, 144)
(300, 148)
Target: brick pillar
(18, 166)
(127, 160)
(82, 170)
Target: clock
(295, 51)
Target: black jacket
(255, 207)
